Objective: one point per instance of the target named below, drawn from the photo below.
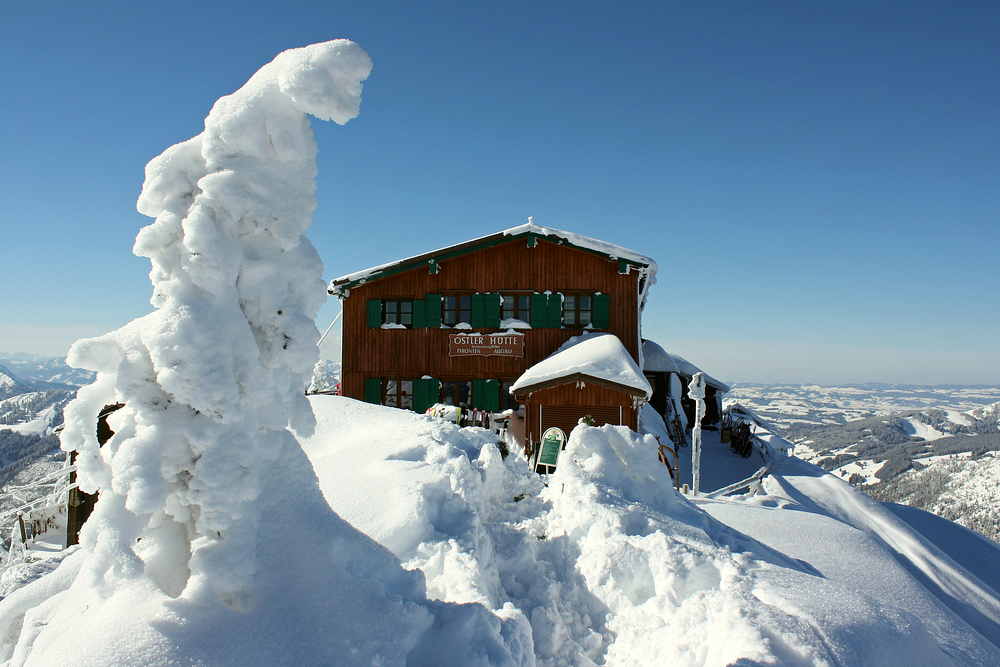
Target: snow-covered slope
(987, 413)
(601, 563)
(960, 488)
(612, 567)
(34, 390)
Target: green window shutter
(419, 314)
(492, 402)
(426, 392)
(373, 390)
(601, 315)
(479, 394)
(478, 311)
(539, 311)
(554, 317)
(622, 266)
(374, 313)
(432, 308)
(419, 396)
(493, 310)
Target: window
(457, 393)
(507, 402)
(517, 307)
(398, 394)
(577, 310)
(456, 308)
(397, 311)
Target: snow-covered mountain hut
(669, 375)
(593, 375)
(461, 324)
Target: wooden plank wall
(572, 395)
(413, 353)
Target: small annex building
(460, 325)
(589, 375)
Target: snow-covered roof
(601, 358)
(657, 360)
(531, 229)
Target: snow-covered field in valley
(802, 406)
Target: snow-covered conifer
(212, 378)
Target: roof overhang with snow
(531, 233)
(597, 358)
(657, 360)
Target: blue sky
(819, 182)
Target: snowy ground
(600, 563)
(610, 566)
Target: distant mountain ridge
(935, 448)
(796, 409)
(33, 391)
(42, 372)
(899, 442)
(943, 461)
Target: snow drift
(610, 566)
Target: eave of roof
(531, 232)
(578, 377)
(655, 359)
(600, 358)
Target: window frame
(399, 302)
(507, 400)
(517, 312)
(456, 395)
(397, 389)
(458, 310)
(576, 310)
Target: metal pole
(323, 337)
(696, 392)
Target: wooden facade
(376, 355)
(564, 405)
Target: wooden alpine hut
(461, 324)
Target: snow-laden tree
(212, 379)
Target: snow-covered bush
(325, 377)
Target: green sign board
(552, 443)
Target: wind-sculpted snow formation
(211, 543)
